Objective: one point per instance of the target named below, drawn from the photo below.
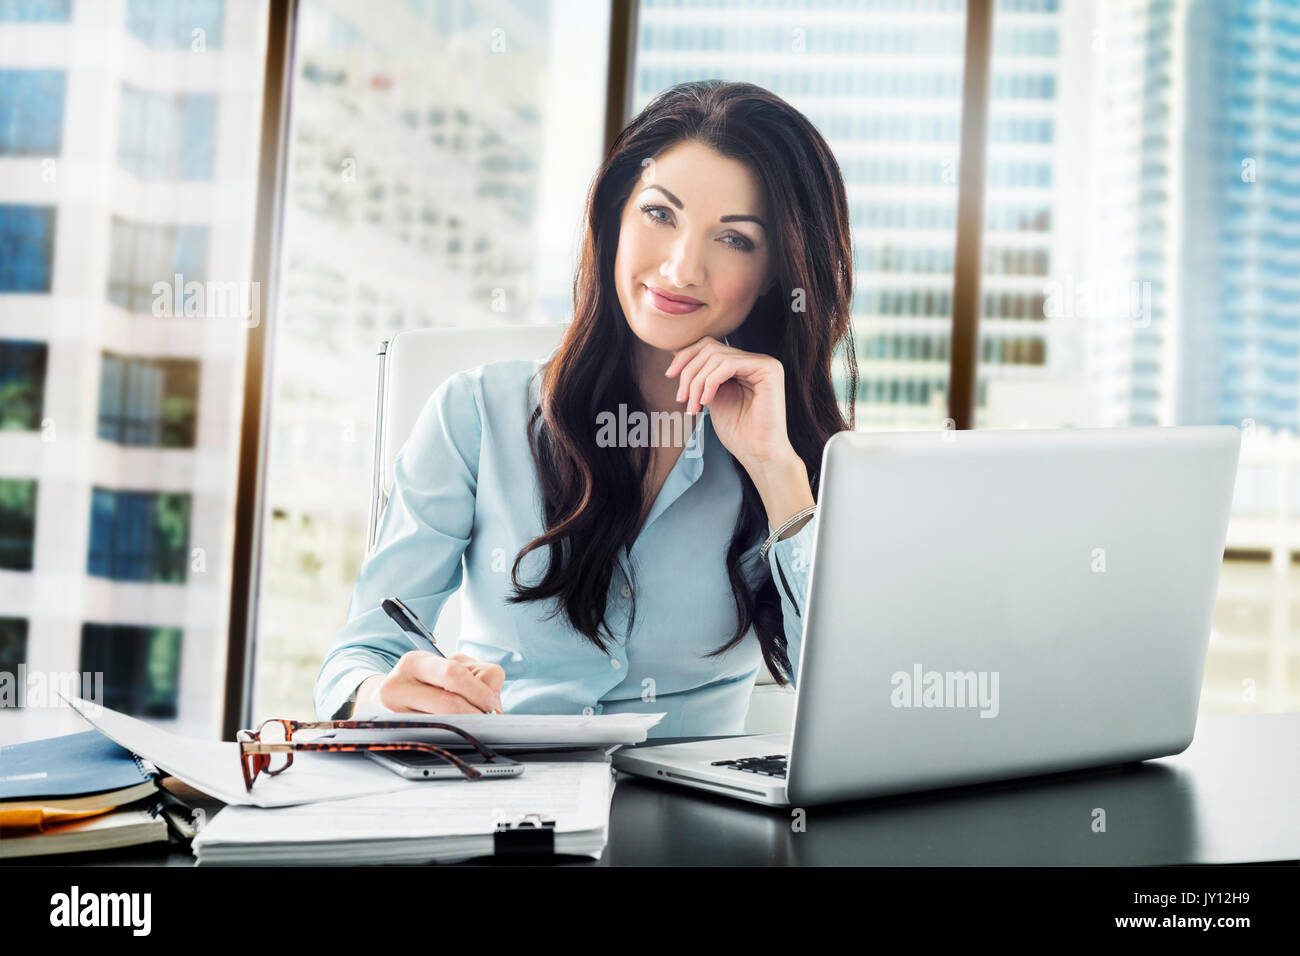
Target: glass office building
(128, 158)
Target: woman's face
(673, 238)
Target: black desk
(1232, 797)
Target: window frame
(624, 17)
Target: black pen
(412, 625)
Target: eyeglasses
(271, 746)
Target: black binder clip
(527, 833)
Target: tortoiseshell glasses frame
(255, 754)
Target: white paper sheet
(558, 730)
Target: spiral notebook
(58, 779)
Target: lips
(673, 305)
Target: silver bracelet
(771, 539)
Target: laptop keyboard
(772, 765)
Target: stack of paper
(437, 821)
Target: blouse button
(626, 591)
(587, 711)
(615, 663)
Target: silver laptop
(986, 605)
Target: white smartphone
(416, 765)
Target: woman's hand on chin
(745, 394)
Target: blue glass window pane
(110, 398)
(171, 23)
(141, 255)
(26, 247)
(148, 401)
(141, 666)
(192, 252)
(163, 135)
(17, 523)
(134, 527)
(33, 11)
(131, 132)
(101, 532)
(196, 138)
(31, 112)
(139, 535)
(22, 384)
(144, 400)
(13, 644)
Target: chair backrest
(412, 364)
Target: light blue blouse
(465, 500)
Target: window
(141, 666)
(166, 135)
(26, 247)
(139, 535)
(148, 401)
(17, 523)
(34, 11)
(143, 255)
(31, 112)
(13, 652)
(22, 383)
(176, 23)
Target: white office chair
(412, 364)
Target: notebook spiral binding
(146, 772)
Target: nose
(685, 267)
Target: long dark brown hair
(593, 496)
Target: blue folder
(69, 766)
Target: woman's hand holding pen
(425, 683)
(430, 682)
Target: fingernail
(496, 702)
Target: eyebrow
(678, 203)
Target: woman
(612, 566)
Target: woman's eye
(653, 209)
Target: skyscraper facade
(128, 138)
